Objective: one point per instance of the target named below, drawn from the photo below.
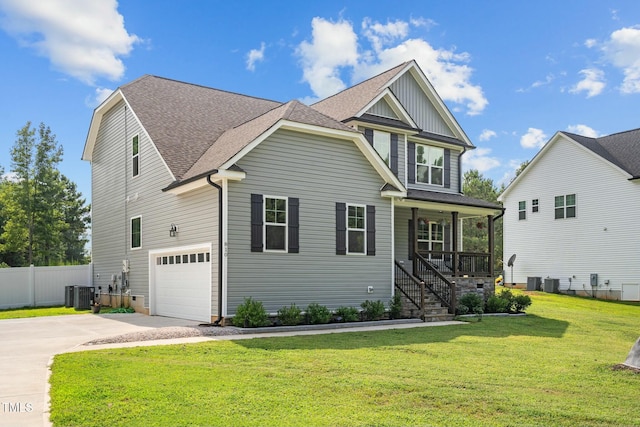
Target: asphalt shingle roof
(184, 120)
(622, 149)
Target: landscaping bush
(290, 316)
(372, 310)
(347, 314)
(251, 314)
(473, 302)
(395, 307)
(317, 314)
(495, 304)
(521, 302)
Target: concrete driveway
(28, 344)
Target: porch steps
(433, 309)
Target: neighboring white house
(573, 215)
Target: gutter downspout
(220, 246)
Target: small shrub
(317, 314)
(473, 302)
(290, 316)
(521, 302)
(462, 310)
(251, 314)
(372, 310)
(347, 314)
(495, 304)
(395, 307)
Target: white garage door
(182, 281)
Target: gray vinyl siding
(195, 213)
(381, 108)
(412, 97)
(320, 171)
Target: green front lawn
(18, 313)
(551, 367)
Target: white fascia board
(395, 105)
(96, 121)
(219, 175)
(355, 136)
(355, 123)
(463, 210)
(440, 106)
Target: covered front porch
(430, 256)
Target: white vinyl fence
(40, 286)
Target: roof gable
(414, 93)
(621, 150)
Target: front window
(522, 210)
(136, 232)
(135, 149)
(429, 164)
(565, 206)
(382, 144)
(430, 237)
(356, 229)
(275, 224)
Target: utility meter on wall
(125, 265)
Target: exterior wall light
(173, 230)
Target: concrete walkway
(29, 344)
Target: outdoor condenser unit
(83, 297)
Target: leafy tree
(44, 217)
(476, 237)
(521, 168)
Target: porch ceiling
(448, 202)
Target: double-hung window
(136, 232)
(535, 205)
(382, 144)
(356, 229)
(565, 206)
(429, 164)
(522, 210)
(430, 237)
(275, 223)
(135, 159)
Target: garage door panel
(183, 289)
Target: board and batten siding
(418, 105)
(320, 171)
(382, 109)
(602, 238)
(195, 213)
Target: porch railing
(468, 263)
(410, 286)
(435, 281)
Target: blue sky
(512, 72)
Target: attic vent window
(135, 149)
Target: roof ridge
(619, 133)
(203, 87)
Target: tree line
(43, 217)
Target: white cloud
(100, 94)
(583, 130)
(534, 138)
(590, 43)
(254, 56)
(334, 46)
(422, 22)
(480, 160)
(84, 39)
(486, 135)
(623, 50)
(593, 82)
(381, 35)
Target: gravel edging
(166, 333)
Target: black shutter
(368, 134)
(256, 222)
(447, 238)
(411, 237)
(447, 168)
(411, 162)
(341, 229)
(394, 153)
(294, 225)
(371, 230)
